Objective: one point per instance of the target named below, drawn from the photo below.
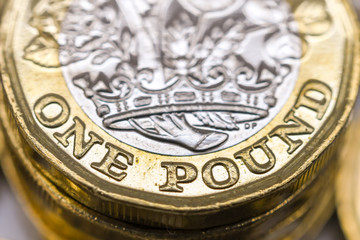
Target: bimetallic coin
(180, 113)
(58, 214)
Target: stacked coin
(177, 119)
(347, 185)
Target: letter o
(52, 122)
(231, 168)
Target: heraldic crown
(214, 90)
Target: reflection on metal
(189, 73)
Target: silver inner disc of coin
(180, 77)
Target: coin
(292, 218)
(60, 220)
(179, 115)
(347, 187)
(2, 145)
(55, 211)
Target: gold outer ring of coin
(55, 211)
(337, 86)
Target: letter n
(81, 147)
